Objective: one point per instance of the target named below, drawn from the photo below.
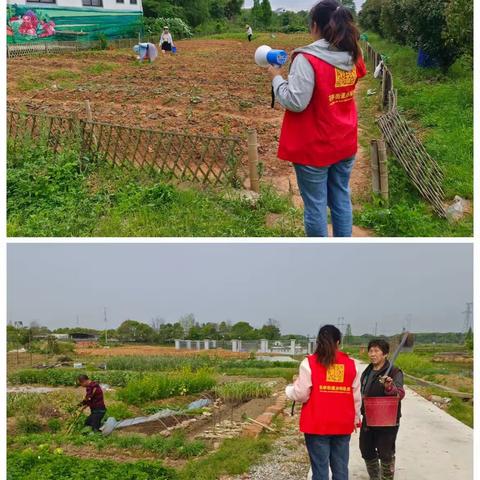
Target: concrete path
(431, 444)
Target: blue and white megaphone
(266, 56)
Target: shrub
(178, 28)
(54, 425)
(242, 391)
(29, 425)
(155, 387)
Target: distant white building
(279, 11)
(51, 20)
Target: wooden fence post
(383, 168)
(375, 167)
(253, 160)
(89, 111)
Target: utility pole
(376, 328)
(105, 320)
(78, 321)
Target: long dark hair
(327, 340)
(337, 26)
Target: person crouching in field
(319, 132)
(166, 40)
(328, 385)
(94, 400)
(249, 33)
(377, 444)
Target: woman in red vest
(328, 385)
(319, 132)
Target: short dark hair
(82, 378)
(383, 345)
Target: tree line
(187, 327)
(441, 28)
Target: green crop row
(154, 387)
(68, 377)
(47, 466)
(176, 446)
(242, 391)
(160, 363)
(169, 363)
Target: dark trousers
(378, 443)
(328, 451)
(94, 420)
(249, 38)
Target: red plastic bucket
(381, 411)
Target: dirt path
(431, 445)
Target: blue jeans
(328, 450)
(323, 187)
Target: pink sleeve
(299, 391)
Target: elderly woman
(166, 40)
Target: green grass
(100, 67)
(461, 410)
(441, 105)
(57, 195)
(440, 108)
(234, 457)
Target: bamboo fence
(210, 160)
(50, 48)
(423, 171)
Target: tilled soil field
(209, 87)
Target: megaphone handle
(273, 97)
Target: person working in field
(166, 40)
(377, 444)
(249, 33)
(319, 132)
(328, 385)
(94, 400)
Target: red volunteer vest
(326, 131)
(330, 409)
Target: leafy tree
(266, 12)
(256, 12)
(370, 14)
(133, 331)
(242, 331)
(350, 4)
(270, 332)
(233, 8)
(459, 25)
(187, 322)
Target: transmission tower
(467, 324)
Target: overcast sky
(295, 4)
(302, 286)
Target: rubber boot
(388, 469)
(373, 469)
